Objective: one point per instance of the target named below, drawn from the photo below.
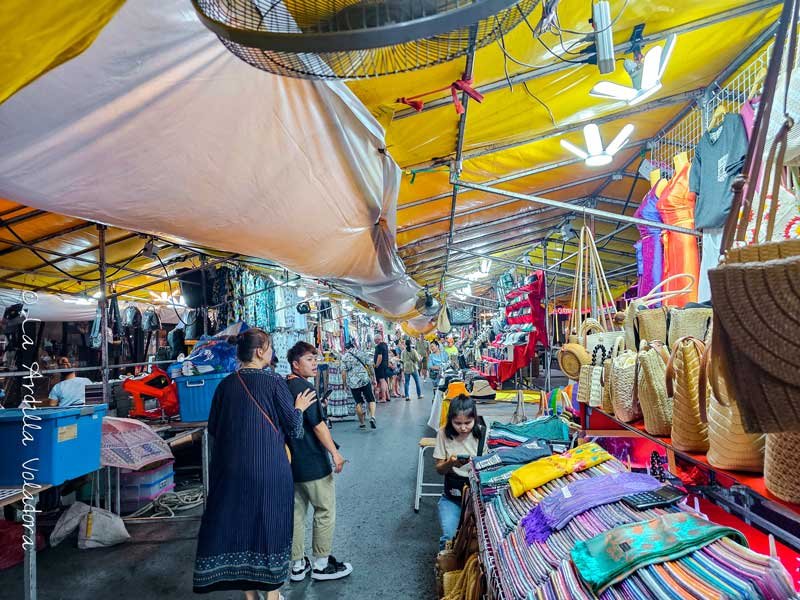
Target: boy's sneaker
(300, 574)
(334, 570)
(372, 422)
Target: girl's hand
(305, 399)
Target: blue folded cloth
(526, 452)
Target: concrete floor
(392, 549)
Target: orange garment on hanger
(676, 207)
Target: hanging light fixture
(486, 265)
(595, 155)
(645, 72)
(301, 292)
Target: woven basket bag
(607, 403)
(781, 475)
(689, 432)
(729, 445)
(585, 384)
(623, 381)
(651, 325)
(689, 322)
(651, 388)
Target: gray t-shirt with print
(718, 158)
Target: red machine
(155, 395)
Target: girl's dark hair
(436, 343)
(462, 405)
(248, 341)
(408, 345)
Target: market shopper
(313, 478)
(357, 368)
(423, 351)
(396, 365)
(438, 361)
(382, 368)
(411, 362)
(455, 442)
(246, 530)
(452, 351)
(71, 390)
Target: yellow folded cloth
(539, 472)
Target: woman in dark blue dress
(245, 536)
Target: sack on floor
(100, 529)
(68, 522)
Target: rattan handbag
(590, 389)
(756, 290)
(729, 446)
(605, 382)
(781, 475)
(653, 323)
(585, 384)
(650, 389)
(623, 381)
(689, 322)
(689, 432)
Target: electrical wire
(540, 101)
(169, 283)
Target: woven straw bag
(607, 403)
(623, 381)
(585, 384)
(755, 289)
(571, 357)
(689, 322)
(652, 323)
(729, 445)
(689, 432)
(651, 388)
(781, 475)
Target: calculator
(661, 497)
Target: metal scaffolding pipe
(585, 211)
(102, 304)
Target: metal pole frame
(585, 211)
(102, 303)
(455, 171)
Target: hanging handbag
(689, 322)
(650, 389)
(689, 432)
(150, 320)
(590, 390)
(729, 445)
(652, 324)
(755, 290)
(585, 384)
(781, 475)
(583, 336)
(605, 382)
(623, 381)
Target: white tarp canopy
(52, 307)
(157, 128)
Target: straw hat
(481, 390)
(456, 389)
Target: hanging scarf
(610, 557)
(545, 470)
(560, 507)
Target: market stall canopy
(182, 129)
(156, 128)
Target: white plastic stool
(424, 444)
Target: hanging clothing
(712, 244)
(650, 247)
(681, 254)
(718, 158)
(245, 535)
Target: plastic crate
(195, 394)
(67, 445)
(145, 476)
(132, 498)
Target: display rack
(494, 589)
(744, 494)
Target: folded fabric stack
(550, 428)
(526, 452)
(558, 509)
(546, 469)
(620, 552)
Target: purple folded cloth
(560, 507)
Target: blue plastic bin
(67, 445)
(195, 394)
